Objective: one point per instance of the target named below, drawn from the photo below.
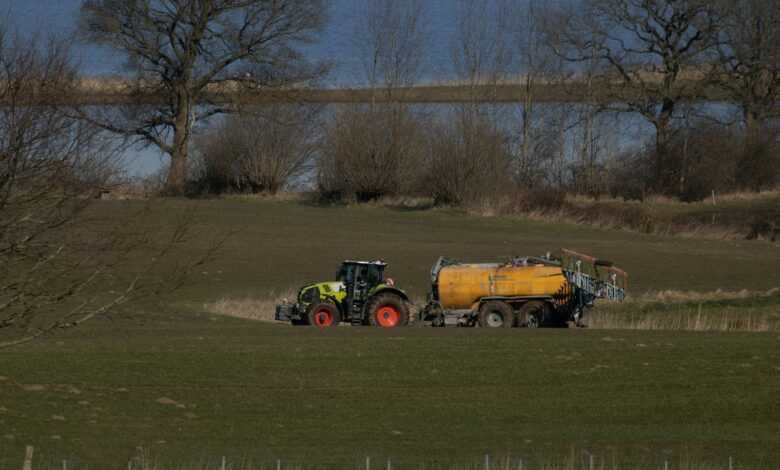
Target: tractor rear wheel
(496, 314)
(533, 314)
(324, 315)
(387, 311)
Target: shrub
(369, 152)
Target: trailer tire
(387, 311)
(496, 314)
(323, 315)
(534, 314)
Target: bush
(369, 152)
(259, 152)
(759, 165)
(467, 160)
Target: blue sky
(60, 16)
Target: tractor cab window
(345, 274)
(374, 275)
(367, 273)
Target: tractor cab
(360, 295)
(359, 279)
(370, 272)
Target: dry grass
(726, 321)
(739, 196)
(722, 311)
(656, 216)
(146, 460)
(250, 308)
(674, 296)
(282, 196)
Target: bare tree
(62, 259)
(182, 49)
(653, 52)
(750, 57)
(749, 72)
(370, 152)
(389, 39)
(261, 151)
(482, 54)
(467, 160)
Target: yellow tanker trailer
(527, 291)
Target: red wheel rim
(388, 316)
(323, 318)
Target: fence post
(487, 461)
(520, 464)
(666, 465)
(224, 462)
(389, 464)
(64, 465)
(129, 465)
(368, 463)
(731, 463)
(590, 461)
(28, 456)
(278, 464)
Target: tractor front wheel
(387, 311)
(324, 315)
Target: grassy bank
(751, 216)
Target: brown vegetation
(262, 150)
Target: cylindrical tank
(460, 286)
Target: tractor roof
(371, 263)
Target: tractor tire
(387, 311)
(534, 314)
(324, 315)
(496, 314)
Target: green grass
(284, 244)
(253, 390)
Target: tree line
(653, 63)
(640, 61)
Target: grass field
(168, 379)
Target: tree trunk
(177, 174)
(749, 165)
(662, 137)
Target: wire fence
(583, 460)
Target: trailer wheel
(387, 311)
(533, 314)
(496, 314)
(324, 315)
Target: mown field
(169, 379)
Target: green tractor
(360, 295)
